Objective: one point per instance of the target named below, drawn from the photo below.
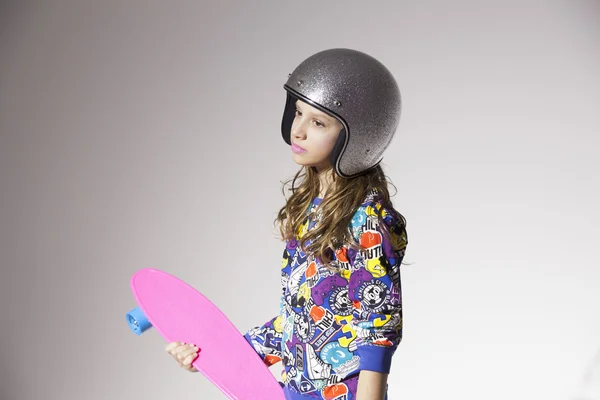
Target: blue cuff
(375, 358)
(289, 395)
(248, 338)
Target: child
(340, 319)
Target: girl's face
(313, 135)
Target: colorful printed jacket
(331, 326)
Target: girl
(340, 319)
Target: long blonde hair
(343, 197)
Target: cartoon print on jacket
(333, 325)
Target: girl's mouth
(297, 149)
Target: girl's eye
(298, 112)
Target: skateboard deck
(180, 313)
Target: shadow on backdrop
(589, 388)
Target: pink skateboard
(181, 313)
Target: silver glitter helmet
(358, 91)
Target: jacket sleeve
(266, 340)
(374, 287)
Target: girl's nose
(296, 134)
(299, 130)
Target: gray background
(147, 134)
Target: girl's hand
(184, 354)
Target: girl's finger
(172, 345)
(187, 352)
(179, 349)
(190, 368)
(188, 359)
(184, 351)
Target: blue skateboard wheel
(137, 321)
